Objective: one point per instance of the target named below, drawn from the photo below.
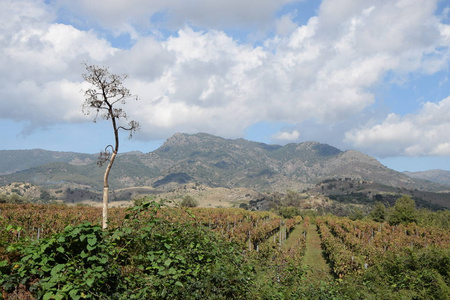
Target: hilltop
(437, 176)
(207, 160)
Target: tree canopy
(403, 212)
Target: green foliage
(147, 258)
(74, 264)
(243, 206)
(439, 219)
(288, 212)
(353, 197)
(279, 273)
(292, 198)
(45, 196)
(174, 261)
(13, 198)
(403, 212)
(189, 201)
(378, 213)
(323, 290)
(418, 274)
(356, 214)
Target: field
(155, 252)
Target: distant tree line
(394, 209)
(16, 198)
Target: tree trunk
(105, 207)
(106, 191)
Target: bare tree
(106, 92)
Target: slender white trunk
(106, 190)
(105, 208)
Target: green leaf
(180, 258)
(167, 262)
(90, 281)
(92, 241)
(103, 260)
(99, 269)
(74, 294)
(48, 296)
(179, 284)
(75, 231)
(46, 268)
(56, 269)
(60, 249)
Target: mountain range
(437, 176)
(215, 162)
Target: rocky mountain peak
(183, 139)
(214, 161)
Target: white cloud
(37, 64)
(285, 25)
(420, 134)
(441, 150)
(286, 136)
(205, 80)
(127, 16)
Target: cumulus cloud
(286, 136)
(203, 79)
(420, 134)
(38, 59)
(131, 15)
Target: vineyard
(156, 252)
(248, 229)
(354, 246)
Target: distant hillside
(437, 176)
(209, 160)
(369, 192)
(17, 160)
(127, 171)
(232, 163)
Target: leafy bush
(288, 212)
(13, 198)
(147, 258)
(419, 274)
(404, 211)
(378, 213)
(76, 263)
(163, 260)
(189, 201)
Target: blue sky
(356, 74)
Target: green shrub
(147, 258)
(189, 201)
(378, 213)
(404, 211)
(418, 274)
(76, 263)
(164, 260)
(288, 212)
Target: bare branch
(104, 156)
(106, 91)
(133, 127)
